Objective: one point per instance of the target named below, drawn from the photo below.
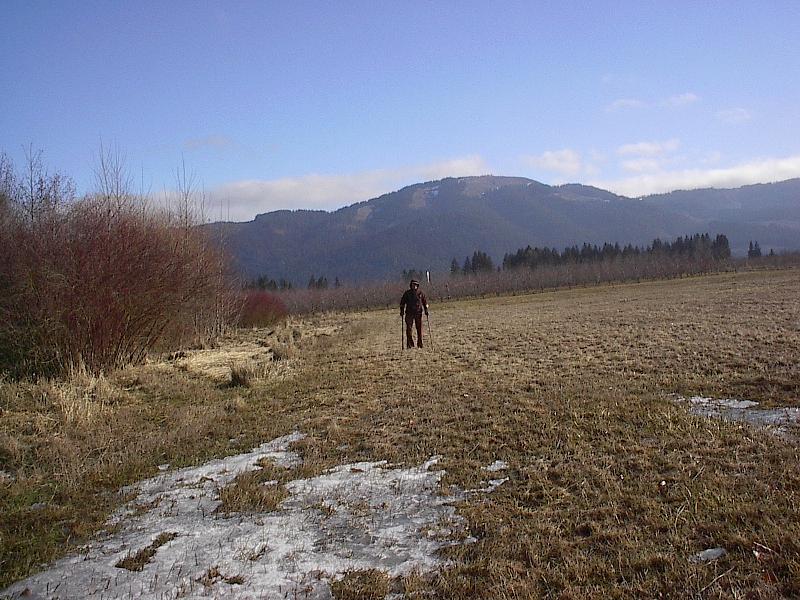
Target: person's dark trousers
(413, 320)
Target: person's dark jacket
(413, 302)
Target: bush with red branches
(262, 309)
(100, 281)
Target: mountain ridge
(425, 225)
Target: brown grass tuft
(361, 585)
(242, 375)
(213, 576)
(136, 562)
(250, 493)
(281, 351)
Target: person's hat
(414, 281)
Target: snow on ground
(777, 420)
(498, 465)
(357, 516)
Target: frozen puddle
(353, 517)
(777, 420)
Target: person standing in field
(412, 305)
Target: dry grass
(361, 585)
(213, 575)
(249, 494)
(569, 388)
(136, 562)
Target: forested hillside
(424, 226)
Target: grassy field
(613, 486)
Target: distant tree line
(754, 251)
(699, 246)
(265, 284)
(321, 283)
(694, 246)
(585, 265)
(537, 269)
(480, 262)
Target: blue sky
(322, 104)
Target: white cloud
(243, 200)
(711, 158)
(755, 171)
(625, 103)
(641, 165)
(566, 161)
(674, 101)
(649, 148)
(209, 141)
(456, 167)
(734, 115)
(679, 100)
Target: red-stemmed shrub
(262, 309)
(100, 281)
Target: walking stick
(402, 334)
(430, 334)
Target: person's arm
(425, 303)
(402, 305)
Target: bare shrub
(262, 309)
(98, 282)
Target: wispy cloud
(566, 161)
(209, 141)
(734, 115)
(674, 101)
(755, 171)
(648, 156)
(243, 200)
(641, 165)
(625, 104)
(679, 100)
(649, 148)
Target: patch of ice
(353, 517)
(498, 465)
(722, 403)
(493, 485)
(776, 419)
(708, 555)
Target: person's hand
(426, 313)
